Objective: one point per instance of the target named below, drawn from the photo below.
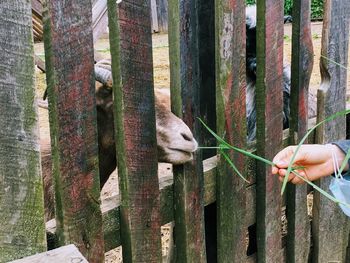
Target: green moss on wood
(22, 230)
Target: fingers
(292, 178)
(282, 158)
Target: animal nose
(187, 137)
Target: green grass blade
(344, 163)
(334, 62)
(327, 195)
(227, 158)
(223, 144)
(332, 117)
(217, 137)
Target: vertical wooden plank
(162, 14)
(231, 121)
(298, 236)
(37, 8)
(269, 127)
(331, 99)
(184, 82)
(99, 18)
(132, 68)
(22, 230)
(154, 16)
(72, 112)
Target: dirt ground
(162, 79)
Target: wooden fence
(207, 50)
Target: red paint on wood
(74, 135)
(137, 148)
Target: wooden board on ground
(66, 254)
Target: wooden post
(269, 127)
(188, 179)
(132, 68)
(22, 229)
(329, 222)
(298, 237)
(72, 111)
(231, 121)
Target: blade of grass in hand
(320, 190)
(303, 140)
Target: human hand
(315, 159)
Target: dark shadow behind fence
(246, 215)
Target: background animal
(251, 78)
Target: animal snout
(187, 136)
(189, 144)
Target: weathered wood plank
(40, 63)
(331, 99)
(154, 16)
(162, 15)
(99, 25)
(22, 231)
(67, 254)
(99, 18)
(231, 120)
(184, 84)
(72, 112)
(111, 207)
(37, 8)
(132, 68)
(298, 237)
(269, 126)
